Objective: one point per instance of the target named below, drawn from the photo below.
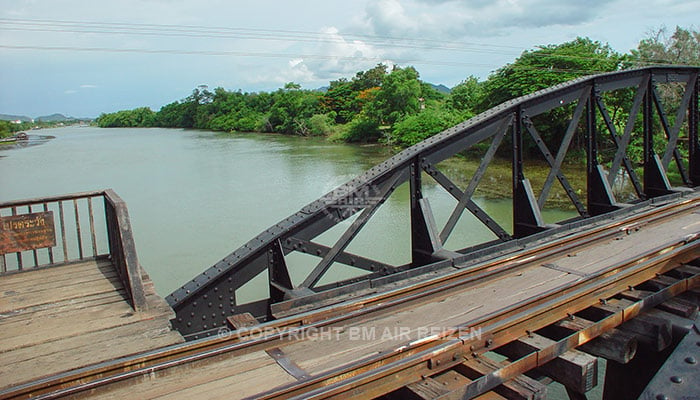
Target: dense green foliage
(364, 108)
(140, 117)
(8, 128)
(395, 106)
(5, 129)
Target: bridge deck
(69, 316)
(389, 331)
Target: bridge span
(619, 282)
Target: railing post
(122, 249)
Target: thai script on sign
(27, 232)
(24, 224)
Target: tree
(548, 66)
(292, 110)
(545, 67)
(466, 95)
(171, 115)
(415, 128)
(362, 129)
(5, 129)
(138, 117)
(340, 99)
(399, 96)
(683, 47)
(345, 98)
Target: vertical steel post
(693, 145)
(518, 174)
(421, 247)
(517, 170)
(277, 273)
(527, 218)
(655, 179)
(591, 140)
(599, 193)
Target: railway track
(383, 372)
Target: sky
(82, 58)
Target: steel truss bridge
(538, 301)
(666, 129)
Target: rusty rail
(79, 236)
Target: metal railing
(79, 236)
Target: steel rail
(573, 340)
(581, 337)
(386, 372)
(129, 367)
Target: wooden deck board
(62, 306)
(13, 300)
(66, 317)
(229, 377)
(58, 273)
(322, 354)
(73, 352)
(239, 386)
(418, 321)
(246, 375)
(50, 327)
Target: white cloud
(344, 56)
(330, 57)
(456, 19)
(293, 63)
(255, 49)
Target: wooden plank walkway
(65, 317)
(389, 331)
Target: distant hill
(54, 118)
(7, 117)
(441, 88)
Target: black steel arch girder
(203, 303)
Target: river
(195, 196)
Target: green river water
(196, 196)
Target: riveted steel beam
(203, 303)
